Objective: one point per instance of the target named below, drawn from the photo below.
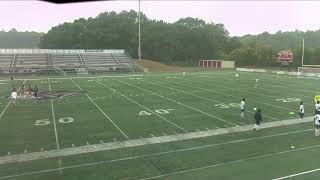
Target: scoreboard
(285, 56)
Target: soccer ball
(254, 109)
(292, 147)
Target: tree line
(183, 42)
(14, 39)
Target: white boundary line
(140, 142)
(271, 91)
(231, 162)
(237, 97)
(198, 110)
(159, 153)
(54, 119)
(2, 113)
(117, 76)
(102, 111)
(201, 97)
(298, 174)
(165, 119)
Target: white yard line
(54, 120)
(117, 76)
(4, 110)
(237, 97)
(161, 153)
(118, 128)
(141, 142)
(231, 162)
(298, 174)
(203, 97)
(198, 110)
(163, 118)
(270, 90)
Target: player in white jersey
(237, 76)
(242, 108)
(317, 107)
(278, 74)
(14, 96)
(301, 110)
(317, 123)
(256, 84)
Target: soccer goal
(308, 72)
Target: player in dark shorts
(35, 92)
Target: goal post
(308, 72)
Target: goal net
(308, 72)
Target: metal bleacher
(16, 61)
(92, 60)
(6, 61)
(66, 60)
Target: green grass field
(74, 132)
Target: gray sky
(239, 17)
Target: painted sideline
(298, 174)
(141, 142)
(169, 152)
(119, 76)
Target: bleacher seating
(123, 59)
(66, 60)
(98, 60)
(5, 60)
(23, 61)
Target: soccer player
(242, 108)
(317, 107)
(317, 97)
(35, 92)
(14, 96)
(301, 110)
(290, 75)
(237, 76)
(278, 74)
(317, 123)
(22, 90)
(258, 119)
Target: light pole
(139, 34)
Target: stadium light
(139, 34)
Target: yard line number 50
(44, 122)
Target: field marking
(198, 110)
(54, 120)
(116, 76)
(297, 174)
(231, 162)
(269, 90)
(204, 97)
(236, 96)
(165, 119)
(101, 111)
(141, 142)
(162, 153)
(4, 110)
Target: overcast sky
(239, 17)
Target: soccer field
(159, 126)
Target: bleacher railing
(60, 51)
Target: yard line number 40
(159, 111)
(43, 122)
